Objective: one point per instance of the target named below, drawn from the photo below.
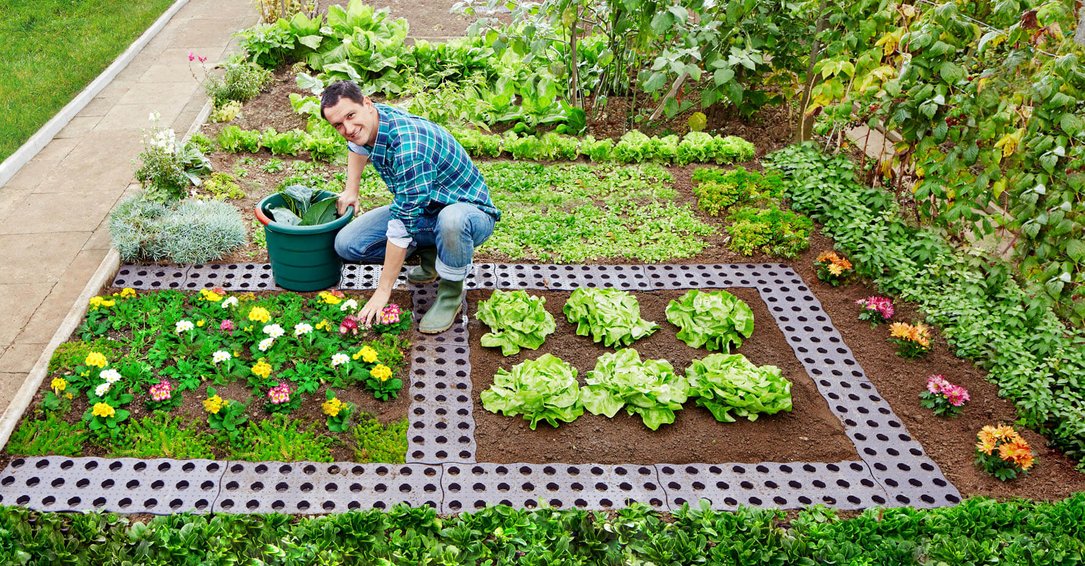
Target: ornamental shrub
(199, 231)
(134, 225)
(241, 82)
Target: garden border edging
(37, 142)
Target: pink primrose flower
(227, 325)
(279, 394)
(349, 324)
(161, 391)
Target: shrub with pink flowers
(876, 310)
(943, 397)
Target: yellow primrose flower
(329, 298)
(210, 296)
(214, 404)
(96, 359)
(332, 406)
(127, 293)
(99, 302)
(103, 410)
(381, 372)
(200, 323)
(262, 369)
(58, 384)
(259, 314)
(324, 325)
(69, 396)
(367, 354)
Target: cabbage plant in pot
(300, 224)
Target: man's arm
(349, 197)
(393, 262)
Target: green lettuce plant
(541, 390)
(650, 388)
(726, 383)
(516, 320)
(715, 320)
(610, 316)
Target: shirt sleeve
(397, 234)
(413, 187)
(359, 149)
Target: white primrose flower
(274, 330)
(349, 305)
(265, 344)
(220, 356)
(184, 326)
(110, 376)
(302, 329)
(101, 390)
(340, 359)
(229, 302)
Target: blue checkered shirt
(424, 167)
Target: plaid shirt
(424, 167)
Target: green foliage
(1036, 361)
(715, 320)
(544, 389)
(203, 143)
(51, 435)
(579, 213)
(281, 439)
(197, 231)
(516, 320)
(978, 531)
(726, 383)
(68, 355)
(228, 112)
(718, 190)
(285, 143)
(304, 206)
(233, 139)
(771, 231)
(381, 443)
(240, 83)
(610, 316)
(650, 388)
(162, 436)
(223, 186)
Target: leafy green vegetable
(610, 316)
(723, 383)
(516, 320)
(650, 388)
(714, 320)
(304, 207)
(541, 390)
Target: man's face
(355, 122)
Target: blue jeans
(455, 231)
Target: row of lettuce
(978, 531)
(1037, 361)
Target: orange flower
(1017, 452)
(827, 256)
(900, 330)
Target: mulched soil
(809, 432)
(309, 413)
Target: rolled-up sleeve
(397, 234)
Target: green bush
(280, 438)
(192, 231)
(162, 436)
(233, 139)
(223, 186)
(375, 442)
(228, 112)
(49, 436)
(718, 190)
(774, 232)
(241, 82)
(168, 167)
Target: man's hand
(370, 313)
(345, 201)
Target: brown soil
(309, 413)
(809, 433)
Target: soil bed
(809, 433)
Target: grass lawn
(52, 49)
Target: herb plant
(544, 389)
(610, 316)
(771, 231)
(730, 383)
(715, 319)
(516, 320)
(650, 388)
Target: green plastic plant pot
(302, 258)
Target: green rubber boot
(426, 271)
(445, 309)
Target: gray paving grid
(441, 470)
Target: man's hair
(336, 91)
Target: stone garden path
(53, 212)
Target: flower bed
(276, 376)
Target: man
(440, 207)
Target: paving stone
(38, 259)
(18, 303)
(21, 357)
(48, 316)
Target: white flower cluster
(110, 376)
(340, 359)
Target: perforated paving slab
(441, 470)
